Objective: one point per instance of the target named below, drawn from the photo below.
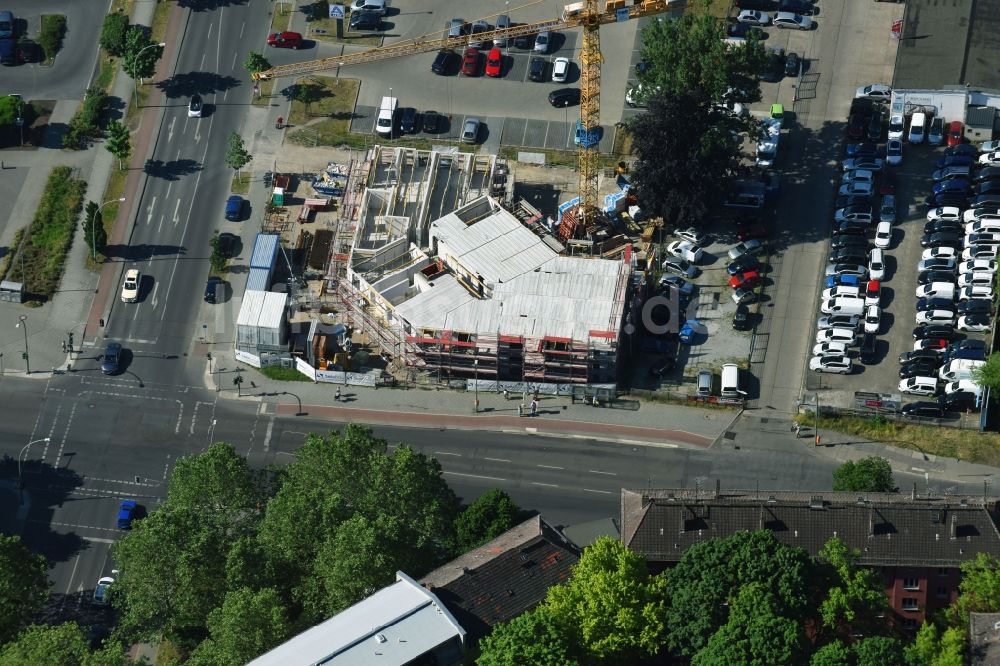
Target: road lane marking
(497, 459)
(597, 471)
(550, 467)
(242, 28)
(170, 129)
(97, 539)
(550, 485)
(446, 453)
(267, 434)
(475, 476)
(603, 492)
(152, 297)
(149, 212)
(177, 208)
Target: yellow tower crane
(589, 15)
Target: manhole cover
(729, 434)
(764, 420)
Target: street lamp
(211, 431)
(816, 398)
(93, 227)
(22, 324)
(20, 484)
(136, 61)
(475, 365)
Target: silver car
(470, 131)
(543, 41)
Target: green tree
(867, 475)
(24, 586)
(256, 62)
(119, 142)
(530, 638)
(854, 601)
(347, 474)
(979, 591)
(237, 156)
(93, 228)
(678, 174)
(492, 514)
(47, 645)
(51, 33)
(709, 575)
(141, 53)
(247, 624)
(611, 604)
(989, 374)
(688, 57)
(755, 633)
(931, 648)
(217, 260)
(113, 33)
(306, 94)
(879, 651)
(832, 654)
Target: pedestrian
(337, 396)
(64, 346)
(534, 407)
(536, 393)
(281, 121)
(506, 394)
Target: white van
(574, 9)
(386, 114)
(936, 290)
(918, 127)
(851, 305)
(730, 381)
(959, 368)
(962, 385)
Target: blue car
(843, 280)
(955, 160)
(960, 185)
(126, 511)
(747, 262)
(234, 208)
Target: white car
(931, 343)
(754, 17)
(878, 91)
(975, 292)
(841, 290)
(830, 349)
(693, 235)
(944, 213)
(873, 315)
(857, 187)
(919, 385)
(867, 163)
(560, 70)
(935, 317)
(744, 295)
(686, 250)
(894, 152)
(983, 238)
(836, 305)
(970, 326)
(839, 364)
(745, 247)
(897, 126)
(876, 264)
(991, 158)
(936, 290)
(838, 321)
(195, 106)
(937, 264)
(980, 252)
(940, 252)
(130, 287)
(883, 235)
(792, 20)
(972, 265)
(858, 175)
(102, 591)
(980, 279)
(974, 214)
(991, 224)
(848, 336)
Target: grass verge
(278, 373)
(266, 93)
(282, 16)
(969, 445)
(42, 254)
(114, 191)
(240, 184)
(161, 15)
(717, 8)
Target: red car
(746, 279)
(955, 133)
(493, 59)
(285, 40)
(470, 62)
(755, 230)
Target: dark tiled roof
(505, 577)
(888, 528)
(984, 639)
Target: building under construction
(450, 282)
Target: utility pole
(20, 483)
(21, 324)
(816, 399)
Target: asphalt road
(182, 203)
(75, 63)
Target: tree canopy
(531, 638)
(492, 514)
(989, 373)
(141, 52)
(24, 586)
(854, 601)
(872, 474)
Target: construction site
(437, 272)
